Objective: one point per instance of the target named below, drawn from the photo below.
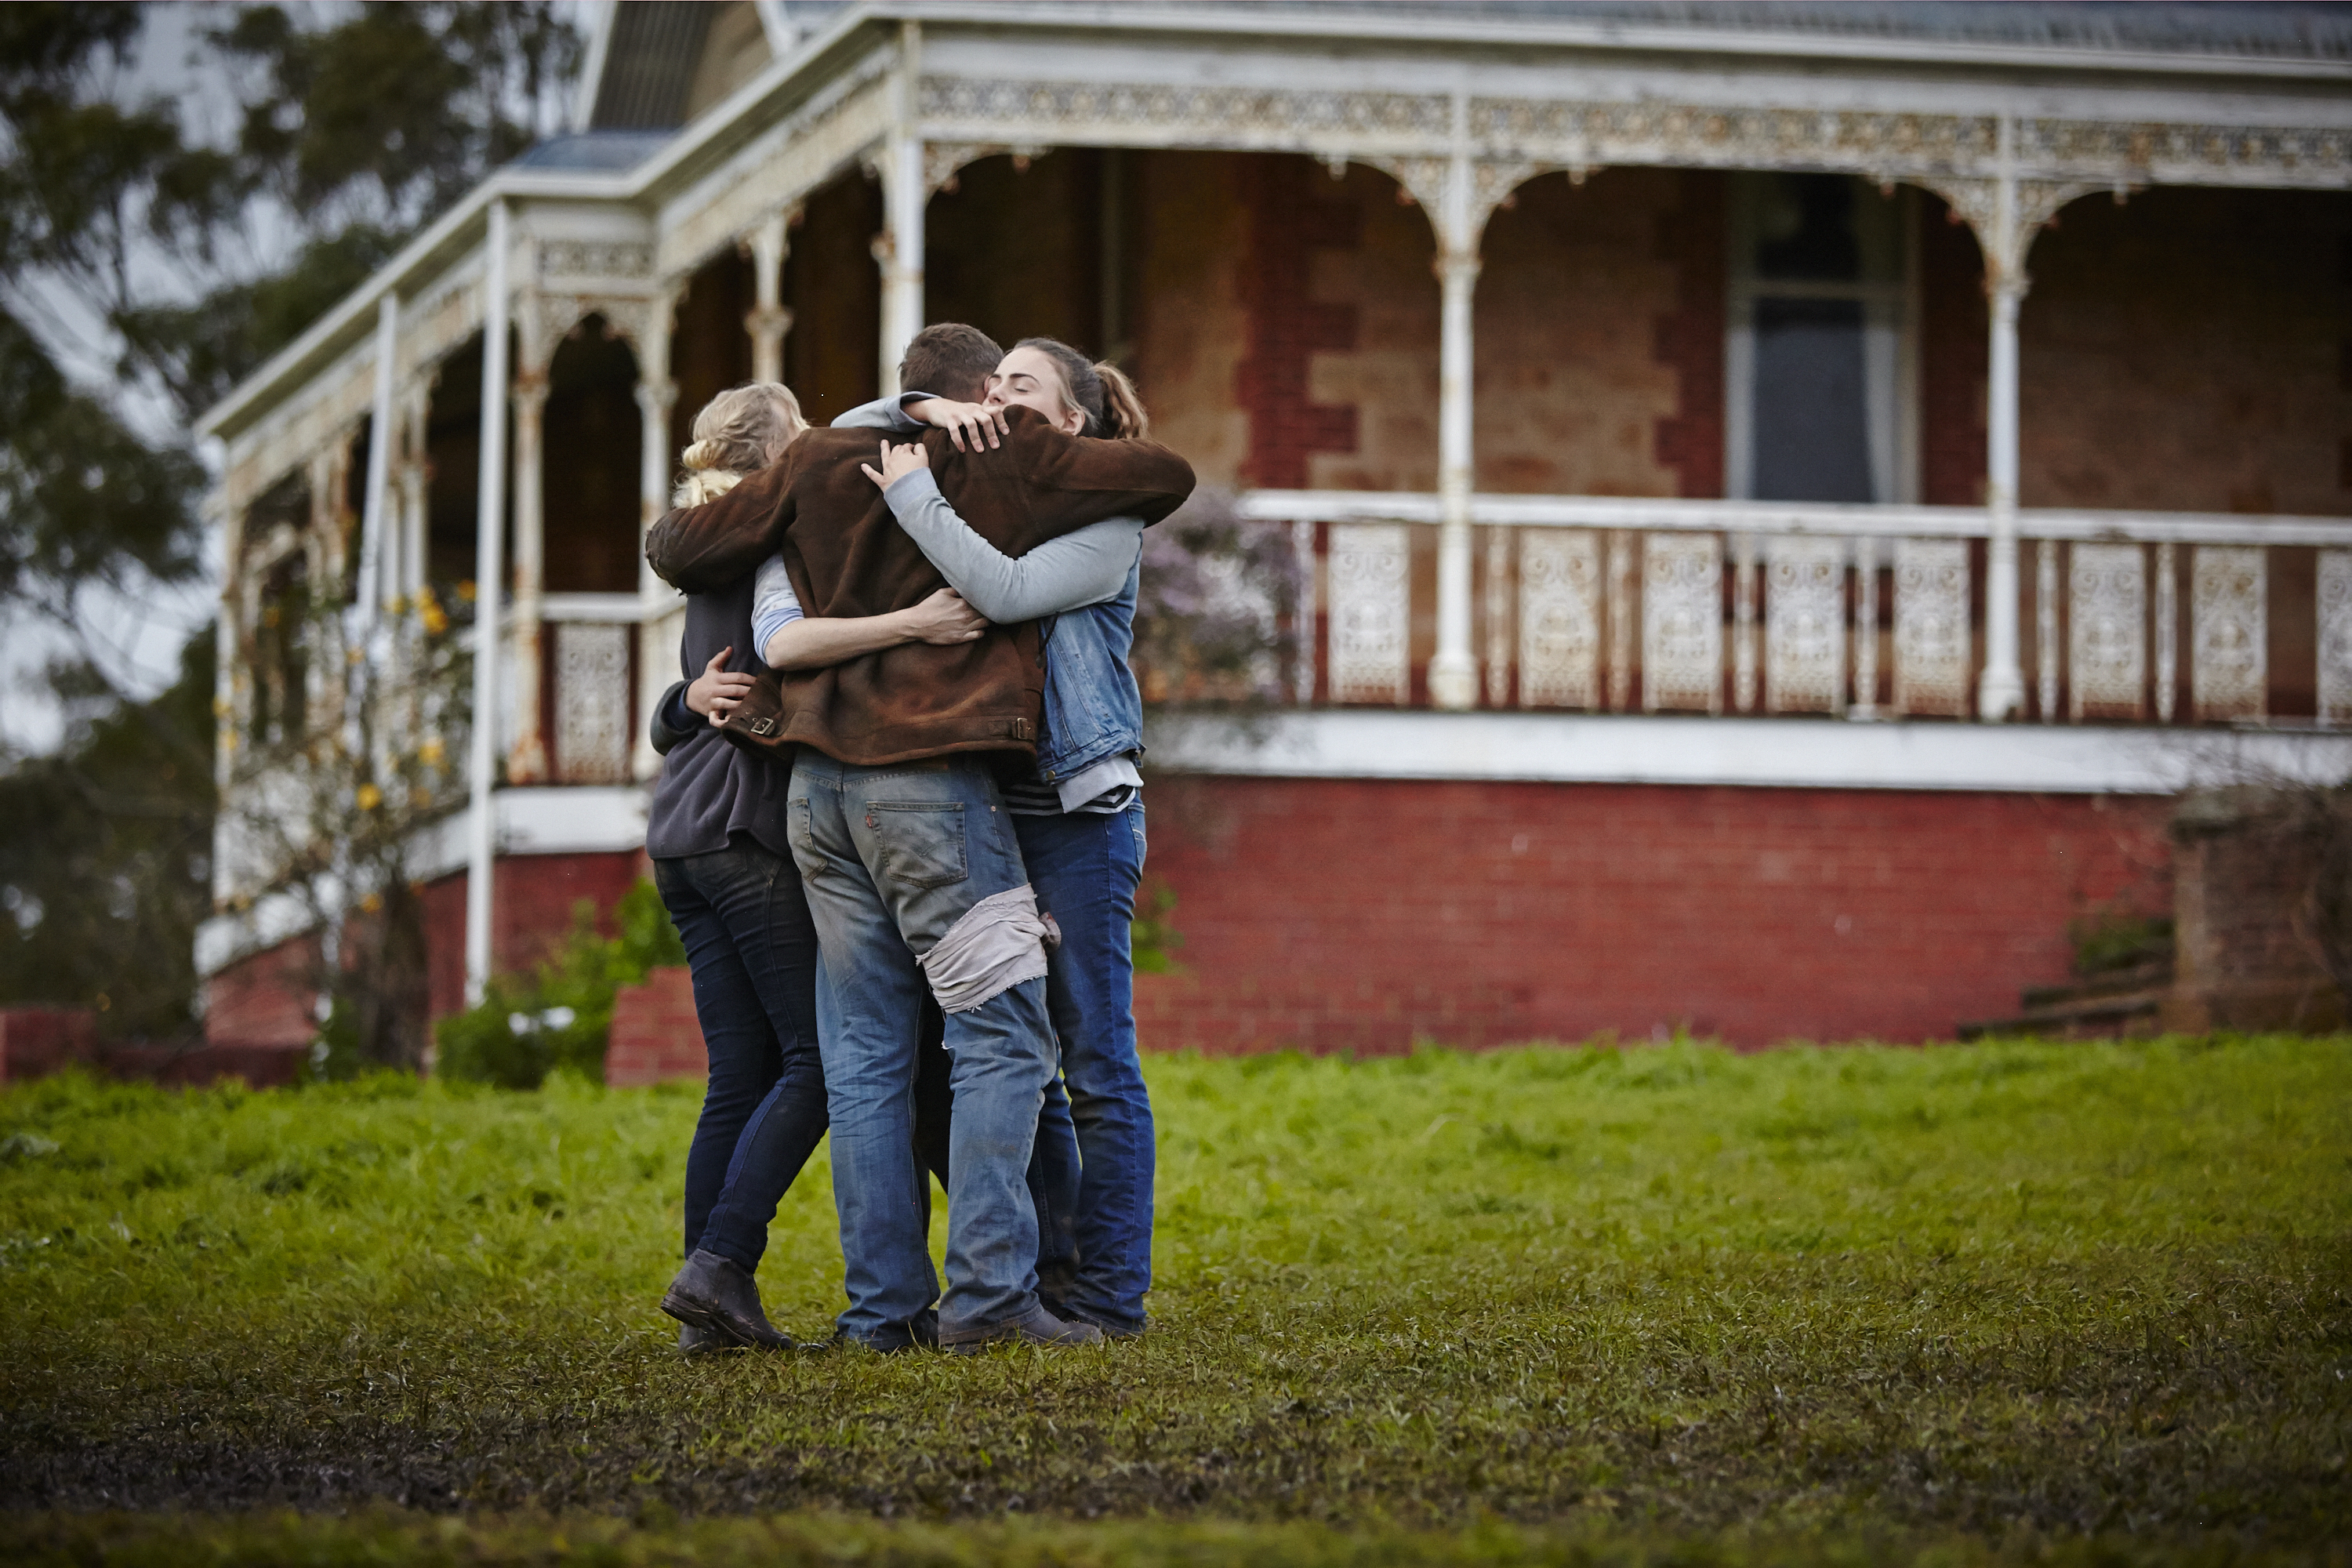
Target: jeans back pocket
(920, 844)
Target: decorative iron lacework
(595, 259)
(1804, 625)
(1559, 618)
(1370, 569)
(1681, 622)
(1230, 112)
(2107, 642)
(2228, 653)
(591, 702)
(1931, 627)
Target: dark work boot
(1039, 1328)
(696, 1342)
(714, 1293)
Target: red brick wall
(265, 1000)
(1361, 915)
(655, 1036)
(37, 1040)
(535, 897)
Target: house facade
(1788, 492)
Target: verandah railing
(1607, 604)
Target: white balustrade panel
(1931, 627)
(1681, 622)
(1370, 579)
(1559, 618)
(2106, 604)
(1804, 625)
(2335, 637)
(591, 702)
(2229, 632)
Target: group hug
(899, 826)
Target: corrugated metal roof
(2236, 27)
(602, 151)
(648, 65)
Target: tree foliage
(356, 127)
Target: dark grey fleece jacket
(708, 790)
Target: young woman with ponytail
(1079, 813)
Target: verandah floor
(1666, 1304)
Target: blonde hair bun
(741, 431)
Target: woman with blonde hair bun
(715, 832)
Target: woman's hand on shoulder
(897, 462)
(943, 619)
(965, 423)
(717, 691)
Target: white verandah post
(1454, 668)
(905, 194)
(657, 628)
(767, 320)
(2001, 689)
(489, 572)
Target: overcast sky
(140, 638)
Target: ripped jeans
(898, 862)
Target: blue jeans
(892, 857)
(1085, 867)
(753, 947)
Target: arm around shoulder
(697, 549)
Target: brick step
(2153, 975)
(2089, 1018)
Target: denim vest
(1094, 709)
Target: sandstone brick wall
(2185, 352)
(656, 1036)
(1690, 337)
(1954, 349)
(1187, 319)
(1361, 915)
(1386, 371)
(1571, 384)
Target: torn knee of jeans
(999, 943)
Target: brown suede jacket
(847, 557)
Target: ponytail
(1101, 392)
(1122, 407)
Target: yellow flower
(436, 623)
(369, 797)
(372, 904)
(430, 753)
(466, 590)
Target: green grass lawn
(1660, 1305)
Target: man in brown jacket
(912, 871)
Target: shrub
(560, 1018)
